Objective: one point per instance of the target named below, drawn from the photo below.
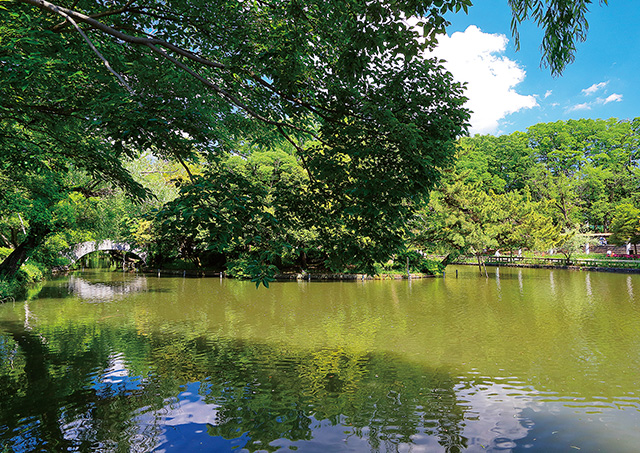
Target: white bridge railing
(84, 248)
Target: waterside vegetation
(257, 138)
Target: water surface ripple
(526, 360)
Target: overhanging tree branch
(104, 60)
(224, 93)
(47, 6)
(111, 12)
(155, 45)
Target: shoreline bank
(288, 276)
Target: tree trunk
(481, 265)
(449, 258)
(34, 238)
(14, 237)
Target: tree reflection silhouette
(66, 392)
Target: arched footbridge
(84, 248)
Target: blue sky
(510, 91)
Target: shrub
(260, 273)
(29, 273)
(629, 257)
(239, 268)
(417, 263)
(49, 254)
(4, 252)
(18, 285)
(8, 289)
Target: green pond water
(526, 360)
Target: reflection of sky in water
(491, 418)
(507, 417)
(498, 416)
(115, 378)
(182, 424)
(106, 383)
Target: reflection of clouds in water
(109, 384)
(101, 292)
(492, 415)
(117, 369)
(115, 377)
(182, 420)
(187, 407)
(509, 416)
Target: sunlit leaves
(626, 225)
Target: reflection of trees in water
(61, 395)
(376, 396)
(47, 401)
(105, 290)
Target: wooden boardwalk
(586, 263)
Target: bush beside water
(30, 272)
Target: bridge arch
(84, 248)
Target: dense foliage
(344, 87)
(538, 190)
(360, 104)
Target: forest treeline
(547, 188)
(252, 213)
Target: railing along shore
(545, 261)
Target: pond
(526, 360)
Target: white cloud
(547, 94)
(613, 98)
(584, 106)
(476, 58)
(594, 88)
(598, 101)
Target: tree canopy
(86, 85)
(540, 189)
(369, 117)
